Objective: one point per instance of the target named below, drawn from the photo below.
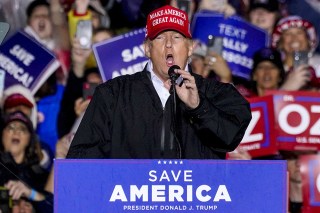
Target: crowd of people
(38, 128)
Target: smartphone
(300, 57)
(185, 5)
(214, 44)
(84, 33)
(88, 90)
(4, 29)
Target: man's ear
(146, 46)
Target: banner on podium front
(121, 55)
(25, 61)
(170, 186)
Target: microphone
(175, 77)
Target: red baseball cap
(167, 18)
(15, 100)
(295, 22)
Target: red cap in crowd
(167, 18)
(295, 22)
(15, 100)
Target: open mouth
(169, 60)
(15, 141)
(267, 78)
(41, 26)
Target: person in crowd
(136, 116)
(62, 147)
(92, 11)
(22, 205)
(190, 7)
(295, 178)
(42, 24)
(99, 16)
(267, 72)
(19, 98)
(296, 35)
(87, 10)
(264, 14)
(48, 99)
(28, 200)
(209, 64)
(221, 6)
(99, 34)
(21, 151)
(78, 75)
(307, 9)
(21, 172)
(295, 181)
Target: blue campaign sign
(26, 62)
(121, 55)
(170, 186)
(240, 39)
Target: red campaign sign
(259, 138)
(297, 120)
(310, 171)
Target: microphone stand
(174, 114)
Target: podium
(112, 186)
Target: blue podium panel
(112, 186)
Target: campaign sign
(26, 62)
(121, 55)
(170, 186)
(297, 120)
(310, 171)
(259, 138)
(240, 39)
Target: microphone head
(171, 70)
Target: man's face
(40, 22)
(167, 49)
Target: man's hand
(188, 92)
(79, 57)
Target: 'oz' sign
(259, 138)
(310, 171)
(297, 120)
